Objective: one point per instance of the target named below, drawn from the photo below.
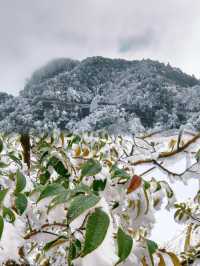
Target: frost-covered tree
(159, 95)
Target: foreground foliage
(77, 200)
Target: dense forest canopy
(99, 93)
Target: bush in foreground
(78, 200)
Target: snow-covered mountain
(98, 93)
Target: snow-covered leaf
(96, 229)
(90, 168)
(51, 190)
(80, 204)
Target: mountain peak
(100, 92)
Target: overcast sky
(33, 32)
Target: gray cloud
(34, 32)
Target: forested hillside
(99, 93)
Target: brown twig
(29, 223)
(171, 153)
(149, 144)
(38, 231)
(26, 146)
(152, 134)
(173, 173)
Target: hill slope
(98, 93)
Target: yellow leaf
(188, 237)
(85, 152)
(161, 262)
(77, 151)
(144, 263)
(138, 205)
(174, 259)
(108, 162)
(172, 144)
(62, 137)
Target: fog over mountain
(101, 93)
(33, 32)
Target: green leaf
(117, 172)
(58, 166)
(76, 139)
(78, 245)
(81, 189)
(96, 229)
(90, 168)
(21, 203)
(99, 185)
(74, 251)
(152, 247)
(3, 165)
(21, 182)
(63, 181)
(80, 204)
(38, 188)
(59, 199)
(8, 215)
(68, 194)
(1, 226)
(51, 190)
(115, 205)
(15, 159)
(146, 185)
(43, 156)
(44, 177)
(71, 254)
(125, 243)
(1, 145)
(3, 193)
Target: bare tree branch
(171, 153)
